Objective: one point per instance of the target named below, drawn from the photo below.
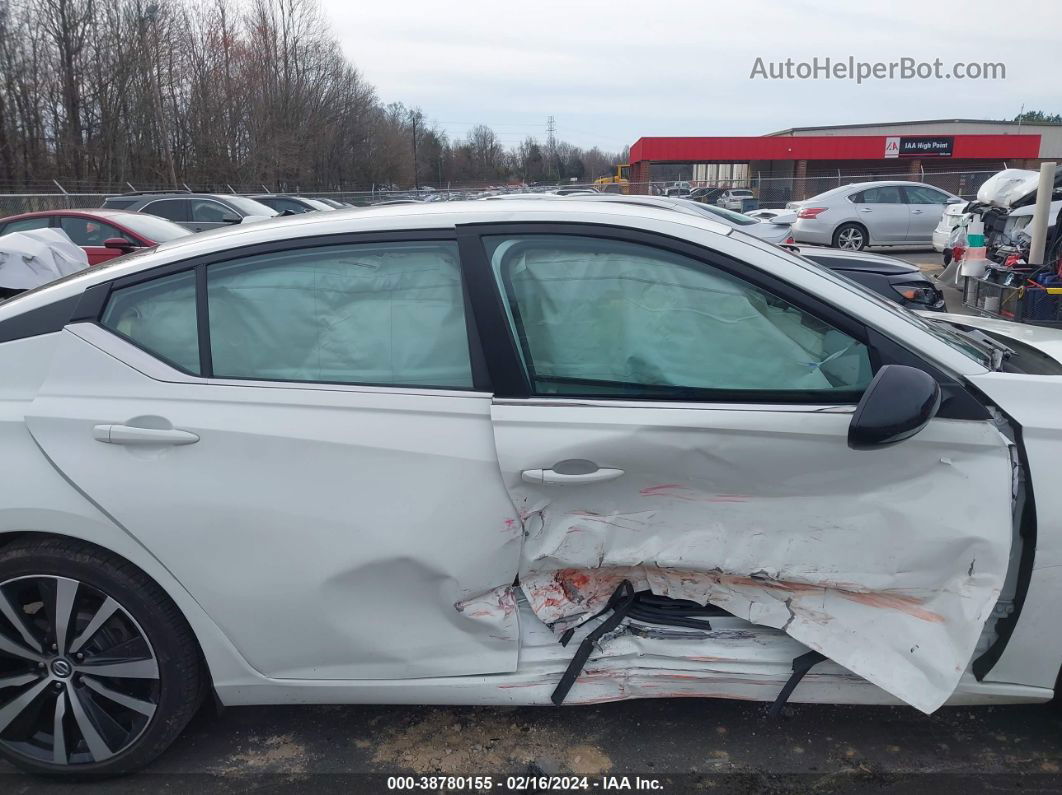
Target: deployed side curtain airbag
(373, 314)
(627, 314)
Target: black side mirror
(899, 402)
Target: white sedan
(508, 453)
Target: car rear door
(883, 212)
(297, 433)
(679, 419)
(925, 207)
(177, 210)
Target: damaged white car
(508, 453)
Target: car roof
(100, 212)
(172, 194)
(880, 183)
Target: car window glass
(885, 194)
(280, 205)
(160, 317)
(599, 317)
(389, 314)
(118, 204)
(26, 223)
(171, 209)
(207, 211)
(916, 194)
(87, 231)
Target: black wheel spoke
(137, 704)
(127, 669)
(99, 618)
(12, 709)
(96, 744)
(80, 682)
(58, 736)
(17, 680)
(8, 646)
(66, 593)
(17, 620)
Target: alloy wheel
(851, 239)
(79, 681)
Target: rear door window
(885, 194)
(389, 314)
(160, 317)
(26, 224)
(171, 209)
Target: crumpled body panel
(887, 561)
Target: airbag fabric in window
(601, 312)
(388, 314)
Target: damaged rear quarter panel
(886, 561)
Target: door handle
(130, 434)
(865, 210)
(552, 477)
(916, 212)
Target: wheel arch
(850, 222)
(220, 659)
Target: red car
(103, 234)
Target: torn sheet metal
(886, 561)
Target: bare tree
(216, 92)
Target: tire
(120, 617)
(852, 237)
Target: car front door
(90, 234)
(210, 214)
(882, 211)
(315, 463)
(925, 207)
(680, 421)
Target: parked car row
(103, 233)
(891, 278)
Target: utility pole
(551, 144)
(414, 116)
(151, 13)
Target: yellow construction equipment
(618, 182)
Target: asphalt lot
(684, 744)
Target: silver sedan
(871, 214)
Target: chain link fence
(774, 192)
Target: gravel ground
(685, 744)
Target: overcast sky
(610, 72)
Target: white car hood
(1046, 340)
(1006, 187)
